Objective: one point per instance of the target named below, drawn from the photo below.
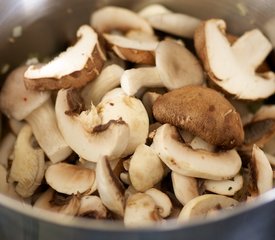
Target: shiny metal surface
(48, 26)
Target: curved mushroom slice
(202, 205)
(141, 210)
(74, 68)
(153, 9)
(261, 129)
(141, 36)
(226, 187)
(135, 79)
(108, 79)
(110, 189)
(116, 105)
(133, 50)
(198, 143)
(15, 125)
(43, 121)
(15, 100)
(162, 201)
(148, 100)
(92, 207)
(174, 23)
(27, 168)
(204, 113)
(70, 179)
(261, 170)
(6, 148)
(227, 66)
(145, 169)
(87, 133)
(182, 159)
(185, 188)
(112, 18)
(45, 201)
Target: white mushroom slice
(261, 170)
(109, 187)
(270, 158)
(112, 18)
(248, 43)
(162, 201)
(92, 207)
(145, 169)
(184, 160)
(140, 211)
(6, 148)
(133, 50)
(125, 178)
(225, 68)
(148, 100)
(177, 70)
(135, 79)
(198, 143)
(153, 9)
(141, 36)
(226, 187)
(71, 208)
(75, 67)
(185, 188)
(15, 100)
(27, 168)
(202, 205)
(15, 125)
(88, 134)
(44, 126)
(108, 79)
(186, 136)
(132, 112)
(129, 192)
(70, 179)
(175, 23)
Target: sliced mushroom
(226, 187)
(204, 113)
(145, 169)
(135, 79)
(141, 36)
(15, 125)
(125, 178)
(112, 18)
(148, 100)
(133, 50)
(271, 159)
(198, 143)
(140, 211)
(108, 79)
(185, 188)
(172, 71)
(110, 189)
(6, 148)
(153, 9)
(27, 168)
(202, 205)
(261, 129)
(184, 160)
(70, 179)
(261, 170)
(162, 201)
(228, 67)
(87, 132)
(92, 207)
(15, 100)
(43, 121)
(74, 68)
(117, 105)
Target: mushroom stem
(108, 79)
(47, 134)
(135, 79)
(6, 148)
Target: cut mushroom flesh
(75, 67)
(87, 134)
(226, 69)
(194, 163)
(200, 206)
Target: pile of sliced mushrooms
(129, 124)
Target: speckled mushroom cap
(203, 112)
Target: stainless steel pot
(47, 27)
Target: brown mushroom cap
(203, 112)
